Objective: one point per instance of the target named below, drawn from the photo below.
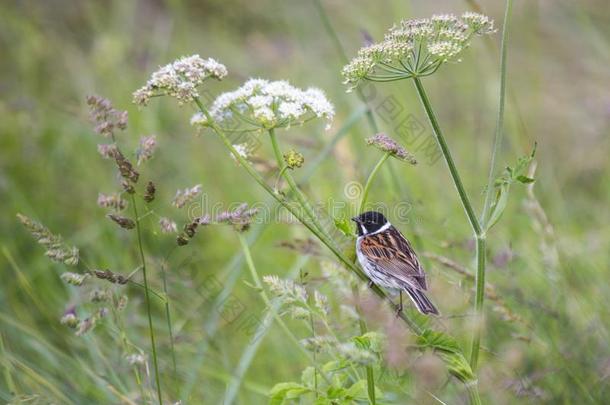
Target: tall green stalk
(147, 299)
(478, 231)
(369, 181)
(480, 279)
(259, 285)
(168, 319)
(261, 289)
(455, 176)
(499, 132)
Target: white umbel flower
(272, 104)
(417, 47)
(180, 79)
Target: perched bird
(389, 260)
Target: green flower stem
(478, 302)
(457, 181)
(473, 393)
(323, 238)
(480, 289)
(293, 185)
(500, 119)
(474, 222)
(168, 318)
(370, 373)
(147, 298)
(259, 286)
(369, 181)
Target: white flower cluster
(416, 47)
(269, 104)
(180, 79)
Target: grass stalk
(147, 298)
(481, 248)
(370, 373)
(259, 285)
(168, 318)
(478, 302)
(455, 176)
(499, 131)
(369, 181)
(479, 233)
(250, 351)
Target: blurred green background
(549, 255)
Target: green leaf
(372, 341)
(499, 205)
(286, 390)
(524, 179)
(308, 377)
(344, 225)
(503, 183)
(447, 348)
(438, 340)
(334, 392)
(358, 390)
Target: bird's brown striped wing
(392, 253)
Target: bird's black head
(369, 222)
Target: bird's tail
(422, 302)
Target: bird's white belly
(372, 273)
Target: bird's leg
(399, 310)
(371, 284)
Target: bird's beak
(356, 220)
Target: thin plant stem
(147, 298)
(290, 180)
(259, 285)
(479, 233)
(369, 181)
(455, 176)
(323, 238)
(499, 132)
(478, 302)
(256, 340)
(473, 394)
(370, 373)
(481, 253)
(169, 325)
